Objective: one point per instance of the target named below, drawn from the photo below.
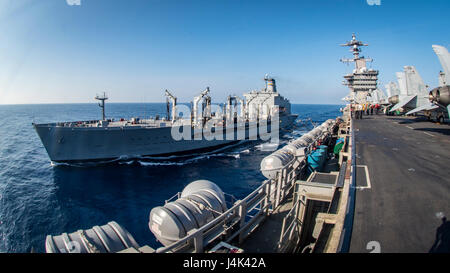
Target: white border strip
(369, 185)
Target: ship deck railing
(220, 226)
(245, 215)
(150, 122)
(290, 227)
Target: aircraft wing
(403, 103)
(428, 106)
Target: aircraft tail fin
(414, 82)
(392, 89)
(444, 59)
(401, 78)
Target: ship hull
(68, 144)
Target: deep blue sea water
(37, 199)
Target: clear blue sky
(52, 52)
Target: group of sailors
(358, 110)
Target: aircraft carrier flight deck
(400, 205)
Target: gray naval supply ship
(109, 139)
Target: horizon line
(55, 103)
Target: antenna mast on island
(355, 45)
(102, 103)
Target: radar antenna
(354, 45)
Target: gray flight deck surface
(408, 162)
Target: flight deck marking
(440, 215)
(410, 127)
(369, 186)
(374, 246)
(428, 134)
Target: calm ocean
(37, 199)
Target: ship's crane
(197, 99)
(173, 100)
(237, 99)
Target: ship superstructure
(363, 80)
(259, 103)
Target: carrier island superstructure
(363, 81)
(108, 139)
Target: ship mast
(360, 62)
(102, 103)
(363, 81)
